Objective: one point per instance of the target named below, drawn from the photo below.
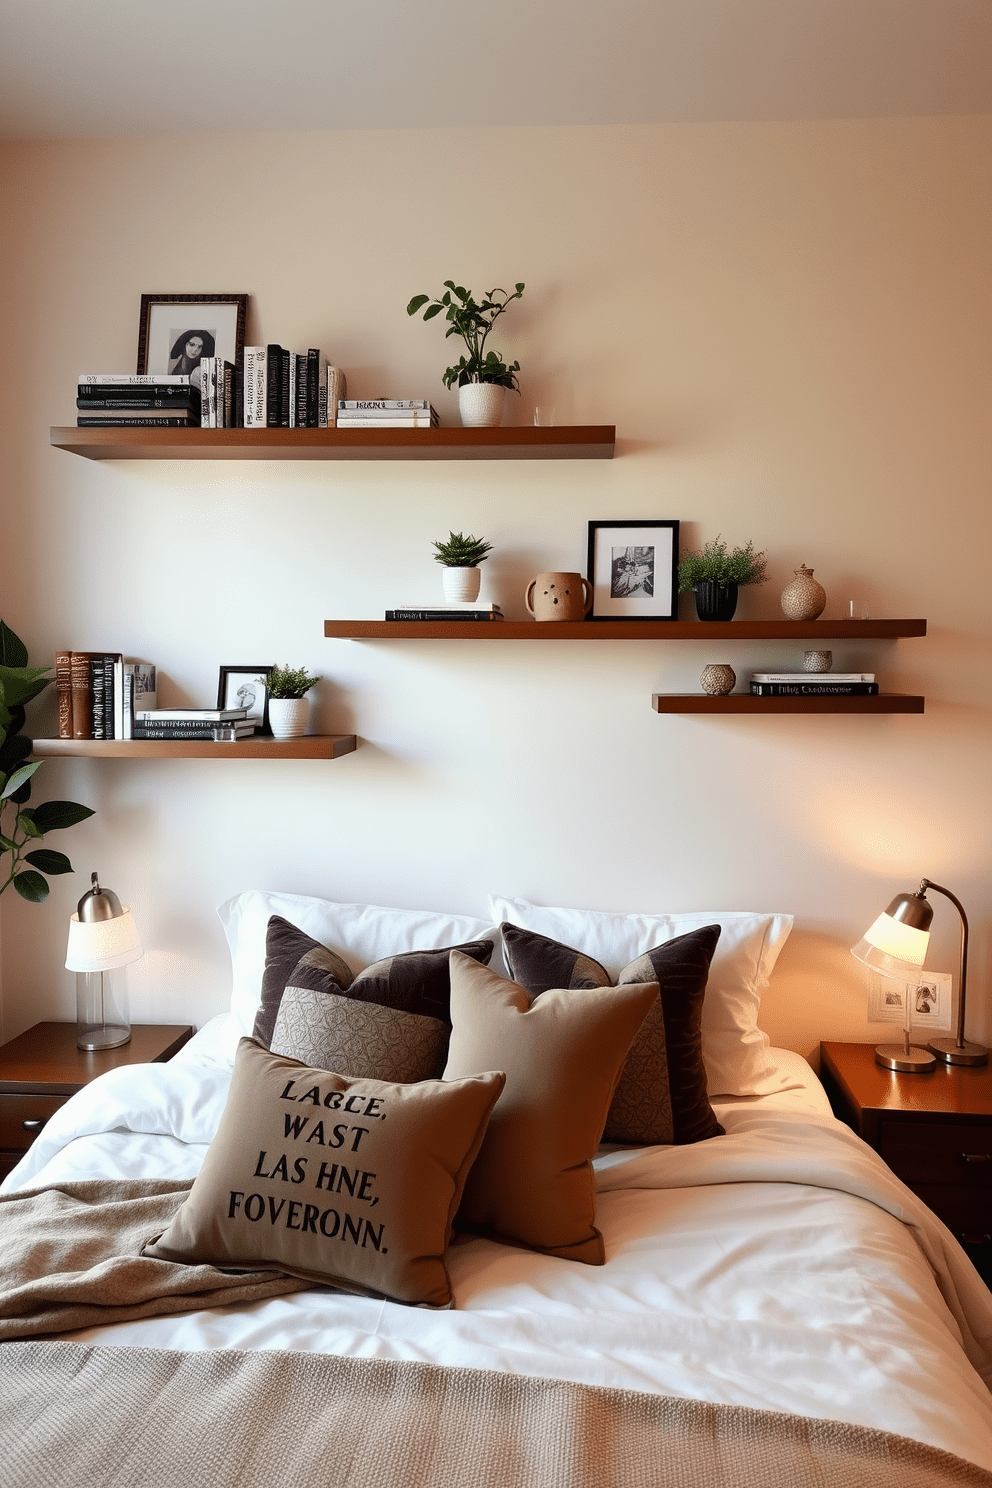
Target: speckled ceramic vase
(717, 678)
(804, 598)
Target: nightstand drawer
(22, 1118)
(958, 1153)
(965, 1211)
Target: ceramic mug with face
(559, 596)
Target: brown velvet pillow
(661, 1094)
(562, 1052)
(390, 1022)
(353, 1183)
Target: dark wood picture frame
(159, 318)
(625, 554)
(227, 684)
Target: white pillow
(734, 1047)
(360, 933)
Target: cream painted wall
(790, 325)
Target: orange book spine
(82, 695)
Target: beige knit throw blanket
(77, 1416)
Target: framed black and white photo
(175, 331)
(239, 687)
(926, 1000)
(633, 569)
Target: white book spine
(140, 379)
(335, 390)
(255, 387)
(292, 389)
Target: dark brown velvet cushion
(390, 1022)
(661, 1095)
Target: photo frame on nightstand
(924, 1002)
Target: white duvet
(781, 1266)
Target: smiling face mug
(559, 596)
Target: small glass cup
(545, 416)
(857, 609)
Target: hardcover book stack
(98, 693)
(288, 389)
(218, 393)
(460, 610)
(386, 413)
(119, 400)
(814, 684)
(224, 725)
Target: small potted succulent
(715, 572)
(460, 557)
(289, 706)
(481, 377)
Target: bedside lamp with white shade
(896, 946)
(103, 942)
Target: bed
(774, 1307)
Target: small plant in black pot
(715, 572)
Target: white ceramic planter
(460, 585)
(288, 717)
(480, 404)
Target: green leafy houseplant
(716, 563)
(21, 824)
(288, 682)
(459, 551)
(472, 320)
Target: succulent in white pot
(460, 557)
(482, 377)
(289, 706)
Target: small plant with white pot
(289, 707)
(460, 557)
(481, 370)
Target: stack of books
(98, 693)
(220, 724)
(119, 400)
(460, 610)
(218, 403)
(386, 413)
(813, 684)
(289, 389)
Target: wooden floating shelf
(310, 746)
(577, 442)
(621, 630)
(745, 702)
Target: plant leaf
(31, 886)
(25, 820)
(430, 313)
(19, 778)
(48, 861)
(6, 845)
(52, 815)
(13, 651)
(416, 303)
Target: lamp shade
(103, 945)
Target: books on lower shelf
(97, 693)
(812, 676)
(458, 610)
(118, 401)
(386, 413)
(809, 688)
(190, 716)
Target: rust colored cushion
(661, 1094)
(562, 1053)
(350, 1182)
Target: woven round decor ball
(717, 678)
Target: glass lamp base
(952, 1053)
(108, 1036)
(909, 1059)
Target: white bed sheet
(736, 1273)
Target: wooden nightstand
(41, 1068)
(934, 1131)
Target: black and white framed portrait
(244, 687)
(176, 331)
(633, 569)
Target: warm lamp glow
(102, 945)
(892, 948)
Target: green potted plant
(289, 706)
(23, 826)
(482, 376)
(715, 572)
(460, 557)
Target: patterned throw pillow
(390, 1022)
(352, 1183)
(561, 1053)
(661, 1095)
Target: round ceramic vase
(480, 404)
(461, 584)
(288, 717)
(717, 679)
(817, 661)
(804, 598)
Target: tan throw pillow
(533, 1180)
(350, 1182)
